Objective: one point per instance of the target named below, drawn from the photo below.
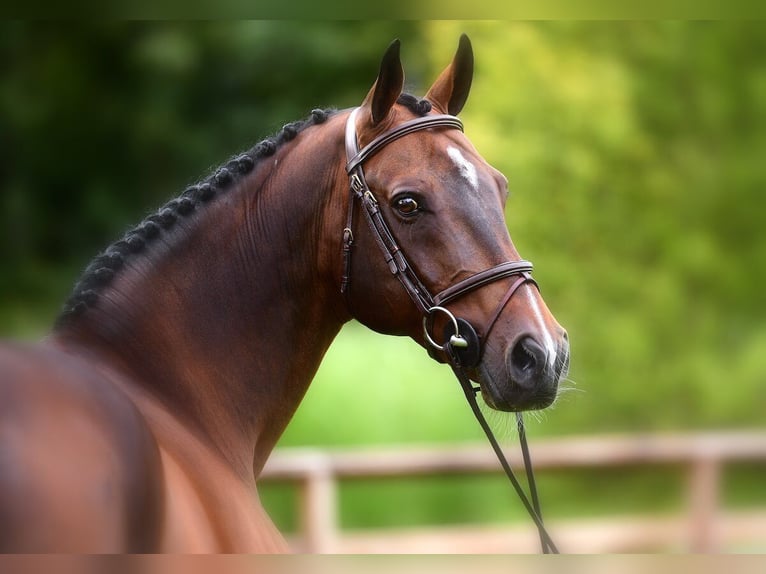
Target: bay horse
(141, 423)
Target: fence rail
(706, 527)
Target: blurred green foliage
(101, 122)
(635, 153)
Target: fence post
(704, 485)
(319, 524)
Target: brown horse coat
(142, 422)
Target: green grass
(373, 389)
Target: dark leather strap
(532, 508)
(507, 269)
(397, 262)
(487, 329)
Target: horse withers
(142, 422)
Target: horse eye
(406, 205)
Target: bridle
(464, 339)
(463, 344)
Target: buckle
(348, 236)
(356, 184)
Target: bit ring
(455, 340)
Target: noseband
(463, 345)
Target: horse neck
(227, 320)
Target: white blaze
(550, 347)
(466, 168)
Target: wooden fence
(706, 527)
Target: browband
(356, 156)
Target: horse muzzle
(525, 377)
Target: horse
(141, 422)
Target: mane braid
(103, 268)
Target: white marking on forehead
(550, 346)
(467, 169)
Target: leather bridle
(463, 345)
(426, 303)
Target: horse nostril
(526, 361)
(522, 358)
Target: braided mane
(104, 267)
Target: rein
(463, 344)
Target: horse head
(436, 261)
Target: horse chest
(207, 509)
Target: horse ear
(388, 87)
(450, 90)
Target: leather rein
(463, 344)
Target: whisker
(539, 416)
(566, 388)
(503, 424)
(569, 385)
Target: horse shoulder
(79, 468)
(208, 507)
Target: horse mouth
(537, 402)
(508, 396)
